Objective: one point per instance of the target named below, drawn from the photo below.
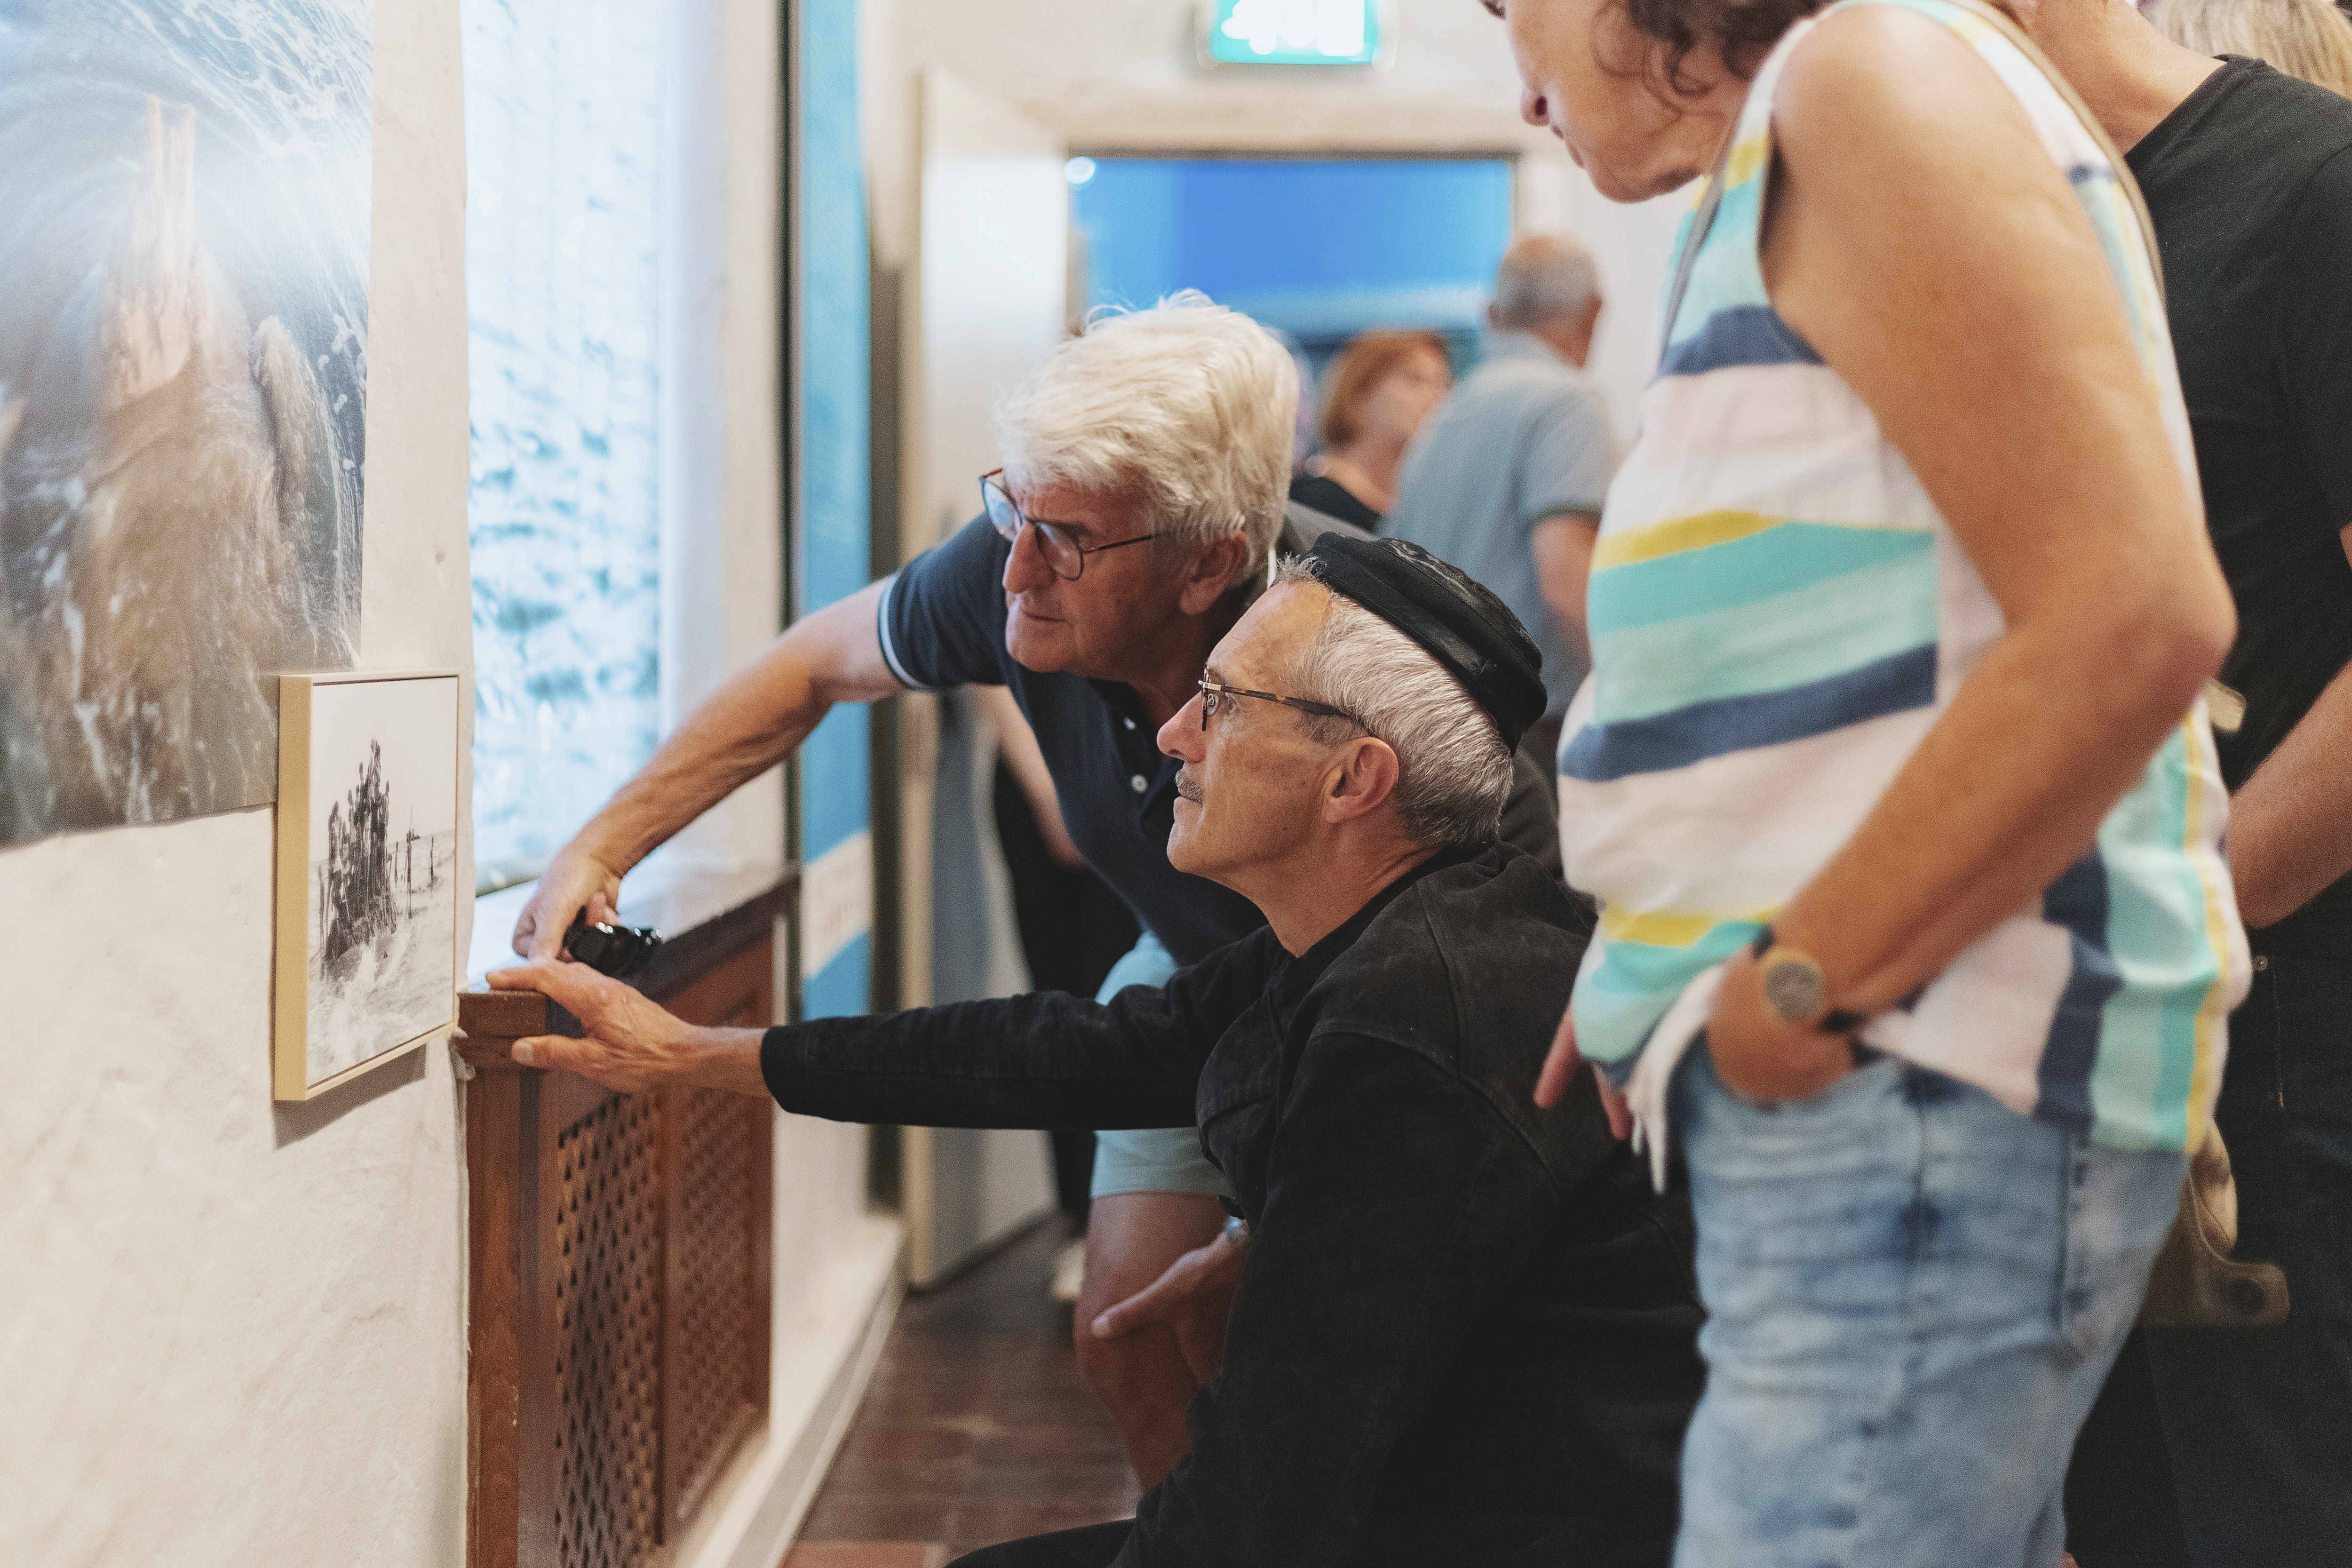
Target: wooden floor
(975, 1429)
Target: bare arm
(1563, 544)
(2291, 823)
(749, 725)
(1017, 743)
(628, 1042)
(1983, 331)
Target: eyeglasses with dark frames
(1055, 542)
(1215, 693)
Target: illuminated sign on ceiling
(1291, 32)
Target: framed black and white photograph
(186, 191)
(367, 884)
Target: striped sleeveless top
(1777, 613)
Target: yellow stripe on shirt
(1694, 532)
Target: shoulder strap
(1701, 221)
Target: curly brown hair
(1743, 31)
(1359, 367)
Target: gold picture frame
(366, 961)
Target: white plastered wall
(231, 1333)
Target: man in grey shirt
(1507, 478)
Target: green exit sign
(1291, 32)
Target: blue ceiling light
(1292, 33)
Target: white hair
(1543, 277)
(1453, 773)
(1188, 401)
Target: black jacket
(1466, 1331)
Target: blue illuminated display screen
(1294, 32)
(1320, 247)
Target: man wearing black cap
(1465, 1333)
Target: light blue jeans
(1149, 1159)
(1913, 1296)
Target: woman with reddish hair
(1376, 394)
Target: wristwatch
(1237, 1233)
(1796, 989)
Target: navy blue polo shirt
(942, 624)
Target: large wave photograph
(183, 251)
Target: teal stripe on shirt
(2157, 937)
(1761, 566)
(1722, 278)
(1621, 999)
(1788, 640)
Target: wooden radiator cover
(618, 1354)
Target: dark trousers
(2232, 1447)
(1073, 929)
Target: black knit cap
(1461, 624)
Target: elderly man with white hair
(1466, 1331)
(1136, 515)
(1507, 478)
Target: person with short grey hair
(1467, 1332)
(1135, 519)
(1544, 279)
(1454, 772)
(1507, 478)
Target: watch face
(1795, 987)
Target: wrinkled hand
(630, 1044)
(1559, 1068)
(1193, 1298)
(574, 881)
(1761, 1055)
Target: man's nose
(1025, 568)
(1534, 108)
(1182, 737)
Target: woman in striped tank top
(1892, 775)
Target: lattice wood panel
(718, 1350)
(620, 1255)
(608, 1337)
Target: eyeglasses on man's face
(1216, 697)
(1055, 541)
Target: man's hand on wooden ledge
(629, 1043)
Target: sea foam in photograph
(184, 190)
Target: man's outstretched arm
(746, 727)
(1045, 1059)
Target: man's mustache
(1188, 786)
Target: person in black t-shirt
(2234, 1446)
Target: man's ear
(1210, 575)
(1363, 781)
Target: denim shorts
(1913, 1294)
(1151, 1159)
